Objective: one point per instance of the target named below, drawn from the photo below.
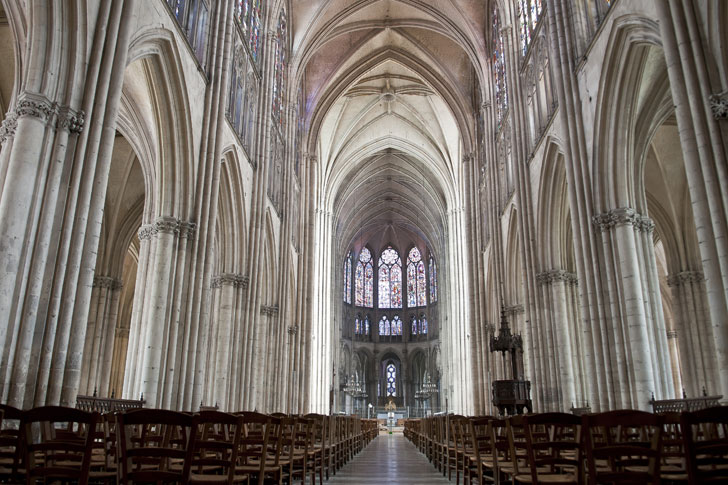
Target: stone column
(699, 108)
(693, 333)
(556, 285)
(100, 334)
(634, 292)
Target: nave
(389, 459)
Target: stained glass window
(423, 325)
(254, 30)
(384, 327)
(364, 285)
(391, 380)
(529, 12)
(299, 132)
(366, 325)
(357, 326)
(416, 283)
(499, 67)
(433, 280)
(390, 279)
(248, 14)
(414, 325)
(347, 278)
(279, 69)
(396, 325)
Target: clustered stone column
(98, 352)
(52, 194)
(158, 335)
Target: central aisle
(389, 459)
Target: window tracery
(279, 69)
(384, 326)
(391, 380)
(529, 11)
(347, 278)
(433, 280)
(248, 15)
(390, 279)
(364, 279)
(499, 67)
(416, 283)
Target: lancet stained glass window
(357, 326)
(364, 285)
(390, 279)
(248, 13)
(499, 67)
(391, 380)
(384, 327)
(416, 283)
(347, 278)
(414, 325)
(433, 280)
(396, 325)
(366, 325)
(529, 12)
(423, 325)
(279, 69)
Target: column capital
(269, 310)
(684, 277)
(107, 282)
(620, 217)
(556, 275)
(719, 105)
(236, 280)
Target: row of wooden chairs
(616, 447)
(55, 443)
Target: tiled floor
(389, 460)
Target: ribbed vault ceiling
(389, 88)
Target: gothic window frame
(529, 13)
(348, 268)
(416, 279)
(387, 284)
(391, 379)
(396, 326)
(367, 282)
(193, 18)
(367, 325)
(280, 71)
(432, 274)
(248, 17)
(357, 325)
(500, 77)
(423, 325)
(385, 327)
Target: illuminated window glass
(390, 279)
(347, 278)
(391, 380)
(364, 284)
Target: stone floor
(390, 460)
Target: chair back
(58, 443)
(215, 447)
(260, 442)
(622, 447)
(12, 454)
(153, 445)
(553, 447)
(705, 438)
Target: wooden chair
(317, 447)
(502, 462)
(58, 443)
(259, 454)
(673, 466)
(451, 449)
(553, 449)
(705, 438)
(622, 447)
(482, 459)
(12, 464)
(153, 445)
(214, 452)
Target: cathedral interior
(331, 206)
